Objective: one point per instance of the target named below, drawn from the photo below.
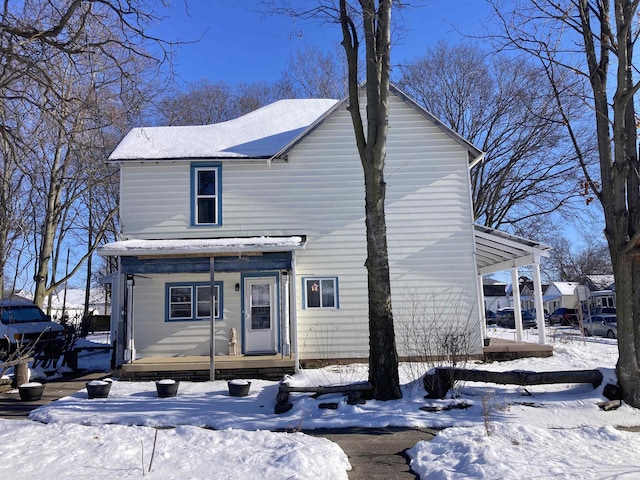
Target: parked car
(490, 317)
(603, 310)
(506, 318)
(564, 316)
(22, 322)
(605, 325)
(532, 311)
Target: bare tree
(368, 21)
(65, 163)
(499, 103)
(13, 193)
(567, 263)
(202, 103)
(594, 41)
(56, 55)
(312, 73)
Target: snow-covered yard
(508, 432)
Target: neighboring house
(495, 296)
(269, 209)
(602, 290)
(561, 294)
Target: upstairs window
(205, 193)
(321, 292)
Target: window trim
(206, 166)
(305, 305)
(193, 286)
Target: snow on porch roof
(258, 134)
(496, 250)
(204, 247)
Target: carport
(497, 251)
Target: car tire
(586, 332)
(611, 334)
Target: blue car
(506, 318)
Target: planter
(98, 389)
(239, 388)
(167, 388)
(30, 392)
(487, 341)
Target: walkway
(377, 453)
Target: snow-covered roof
(206, 246)
(258, 134)
(601, 282)
(566, 288)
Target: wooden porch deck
(503, 349)
(197, 367)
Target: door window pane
(260, 306)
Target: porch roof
(496, 250)
(201, 247)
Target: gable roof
(258, 134)
(565, 288)
(269, 132)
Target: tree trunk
(383, 357)
(371, 143)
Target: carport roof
(496, 250)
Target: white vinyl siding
(156, 337)
(319, 192)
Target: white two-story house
(269, 210)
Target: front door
(260, 315)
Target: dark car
(490, 316)
(506, 318)
(564, 316)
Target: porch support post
(483, 310)
(118, 319)
(286, 337)
(212, 323)
(537, 298)
(130, 349)
(294, 314)
(517, 309)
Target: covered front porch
(171, 323)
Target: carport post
(212, 324)
(537, 298)
(517, 308)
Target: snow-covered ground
(549, 431)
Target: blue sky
(238, 45)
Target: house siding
(156, 337)
(319, 192)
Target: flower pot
(487, 341)
(30, 392)
(98, 389)
(167, 388)
(239, 388)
